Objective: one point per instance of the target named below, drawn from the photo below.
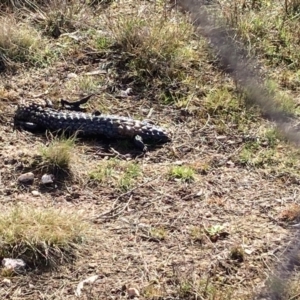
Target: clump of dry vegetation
(58, 154)
(156, 51)
(41, 236)
(270, 30)
(19, 42)
(197, 218)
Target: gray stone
(47, 179)
(26, 178)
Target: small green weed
(103, 173)
(184, 173)
(103, 42)
(158, 233)
(214, 230)
(116, 172)
(131, 172)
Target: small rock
(26, 178)
(248, 251)
(7, 281)
(230, 163)
(132, 292)
(47, 179)
(96, 72)
(89, 280)
(35, 193)
(17, 265)
(126, 93)
(72, 75)
(208, 215)
(200, 193)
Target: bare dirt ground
(217, 236)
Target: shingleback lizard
(35, 116)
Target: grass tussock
(19, 42)
(55, 18)
(270, 29)
(157, 48)
(58, 154)
(41, 235)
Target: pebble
(17, 265)
(35, 193)
(133, 292)
(72, 75)
(7, 281)
(47, 179)
(26, 178)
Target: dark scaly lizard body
(87, 124)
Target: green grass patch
(104, 172)
(131, 172)
(252, 154)
(183, 173)
(117, 173)
(158, 233)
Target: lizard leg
(138, 141)
(25, 125)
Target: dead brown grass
(18, 41)
(41, 236)
(203, 217)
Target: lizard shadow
(97, 147)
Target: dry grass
(157, 50)
(58, 154)
(272, 31)
(19, 42)
(41, 236)
(203, 217)
(55, 18)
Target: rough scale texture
(109, 126)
